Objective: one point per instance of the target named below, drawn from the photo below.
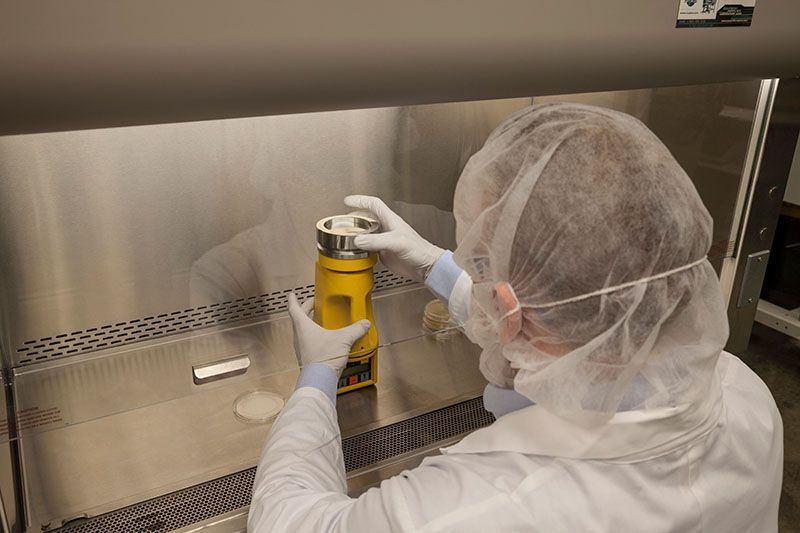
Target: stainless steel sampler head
(335, 235)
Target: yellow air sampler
(343, 292)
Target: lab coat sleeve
(458, 303)
(300, 482)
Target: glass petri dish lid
(256, 407)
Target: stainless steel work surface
(133, 424)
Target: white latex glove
(401, 248)
(315, 344)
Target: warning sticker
(31, 418)
(714, 13)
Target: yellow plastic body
(343, 295)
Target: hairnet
(602, 239)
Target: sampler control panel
(359, 374)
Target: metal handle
(224, 368)
(754, 271)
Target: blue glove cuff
(321, 377)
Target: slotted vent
(149, 327)
(207, 500)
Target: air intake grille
(397, 439)
(149, 327)
(201, 502)
(176, 510)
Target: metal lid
(335, 235)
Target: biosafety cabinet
(158, 201)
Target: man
(581, 271)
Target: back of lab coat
(724, 477)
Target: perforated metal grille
(207, 500)
(177, 509)
(149, 327)
(396, 439)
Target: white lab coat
(715, 467)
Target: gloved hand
(315, 344)
(401, 248)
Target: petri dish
(256, 407)
(436, 316)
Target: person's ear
(509, 309)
